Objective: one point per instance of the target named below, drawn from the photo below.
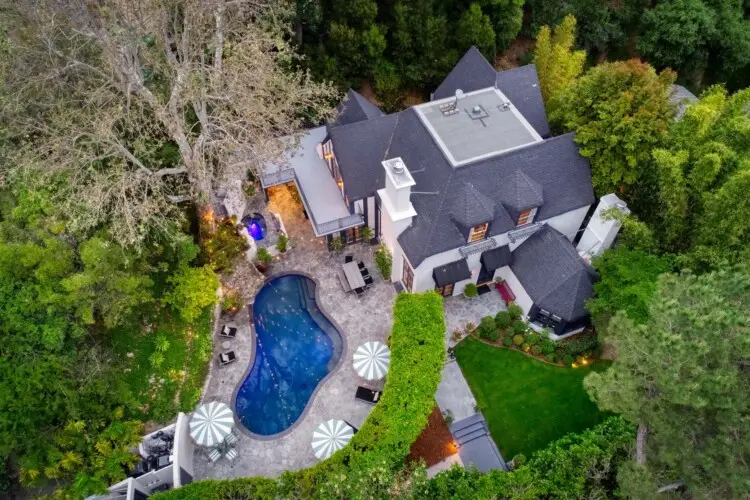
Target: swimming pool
(296, 347)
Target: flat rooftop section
(322, 197)
(480, 125)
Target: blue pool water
(296, 347)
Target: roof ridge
(390, 140)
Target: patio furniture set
(211, 426)
(227, 357)
(354, 276)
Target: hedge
(383, 441)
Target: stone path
(360, 320)
(453, 394)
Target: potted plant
(471, 291)
(336, 244)
(263, 260)
(283, 243)
(367, 235)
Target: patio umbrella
(331, 436)
(211, 423)
(371, 360)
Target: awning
(496, 258)
(452, 272)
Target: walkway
(360, 320)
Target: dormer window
(478, 232)
(526, 217)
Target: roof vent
(459, 94)
(476, 109)
(399, 167)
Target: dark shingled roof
(521, 86)
(471, 208)
(520, 193)
(453, 272)
(496, 258)
(355, 108)
(471, 72)
(553, 274)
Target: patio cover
(496, 258)
(453, 272)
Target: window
(526, 217)
(477, 233)
(407, 276)
(445, 291)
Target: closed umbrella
(211, 423)
(371, 360)
(331, 436)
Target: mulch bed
(435, 443)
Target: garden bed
(435, 442)
(527, 404)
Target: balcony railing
(276, 178)
(524, 232)
(478, 247)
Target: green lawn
(527, 403)
(174, 383)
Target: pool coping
(250, 365)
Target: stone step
(471, 436)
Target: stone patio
(460, 310)
(360, 320)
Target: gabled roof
(471, 72)
(496, 258)
(471, 208)
(452, 272)
(355, 108)
(521, 192)
(521, 86)
(553, 274)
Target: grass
(527, 403)
(166, 366)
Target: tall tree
(683, 378)
(619, 112)
(474, 27)
(557, 64)
(143, 106)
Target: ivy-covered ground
(165, 364)
(527, 403)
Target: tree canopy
(682, 377)
(557, 64)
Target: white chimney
(599, 233)
(398, 183)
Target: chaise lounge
(368, 395)
(227, 331)
(226, 358)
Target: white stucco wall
(570, 222)
(522, 298)
(371, 212)
(183, 449)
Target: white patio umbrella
(211, 423)
(331, 436)
(371, 360)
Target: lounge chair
(231, 439)
(226, 358)
(231, 455)
(368, 280)
(348, 259)
(228, 332)
(214, 456)
(367, 395)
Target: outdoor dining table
(353, 275)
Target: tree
(142, 108)
(619, 112)
(677, 34)
(194, 289)
(475, 28)
(682, 377)
(628, 282)
(557, 64)
(507, 19)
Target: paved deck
(453, 394)
(459, 310)
(360, 320)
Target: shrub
(519, 339)
(193, 289)
(519, 327)
(384, 261)
(471, 290)
(551, 357)
(366, 233)
(568, 359)
(336, 244)
(263, 256)
(283, 243)
(547, 347)
(470, 327)
(579, 345)
(231, 302)
(487, 329)
(221, 245)
(515, 311)
(507, 341)
(503, 320)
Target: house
(466, 188)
